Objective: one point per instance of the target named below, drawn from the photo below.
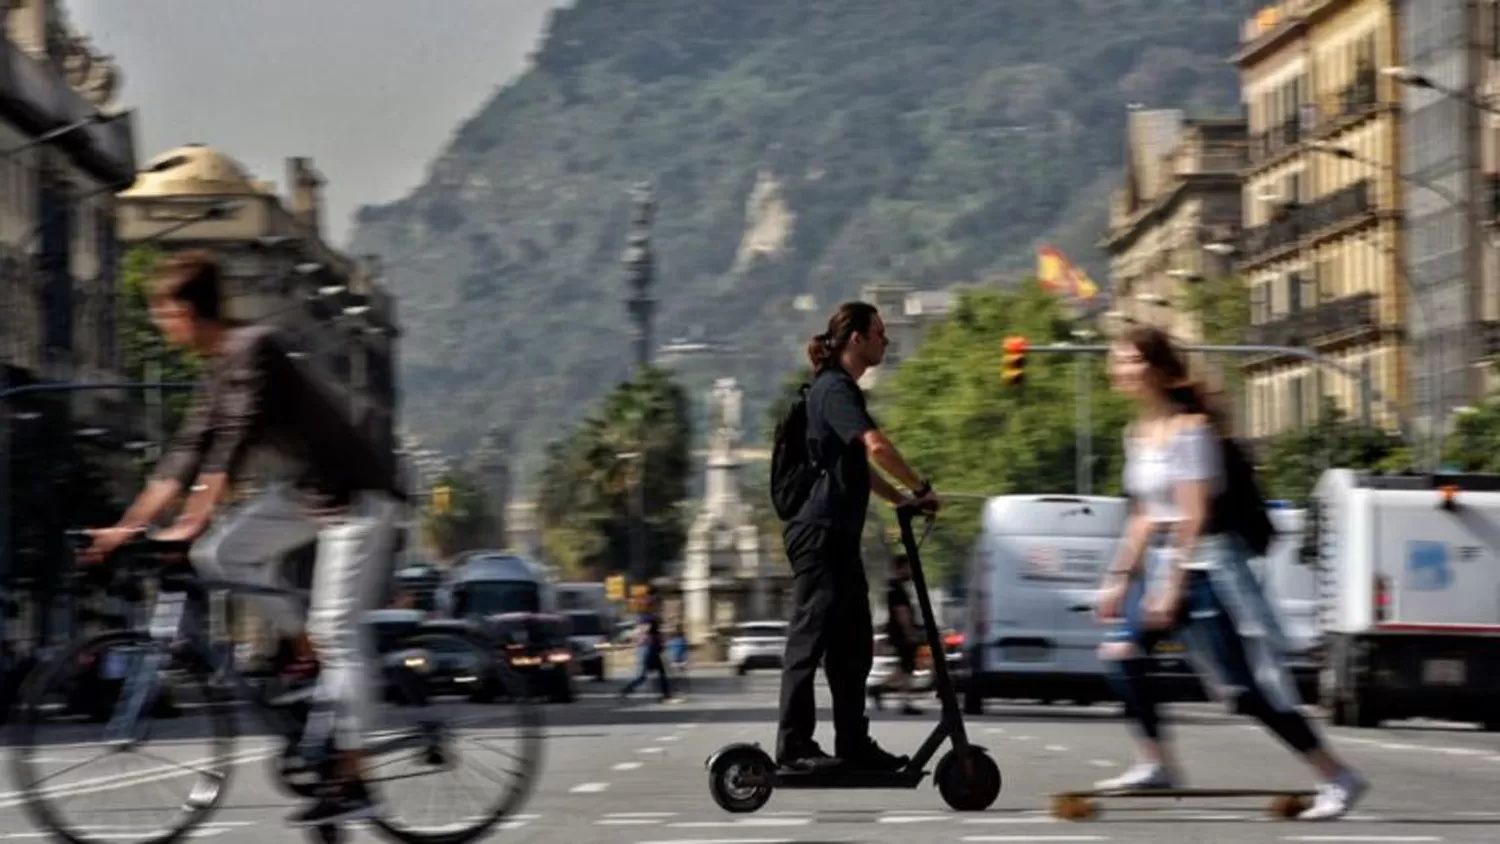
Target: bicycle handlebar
(141, 542)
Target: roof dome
(204, 171)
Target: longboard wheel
(1288, 806)
(1071, 808)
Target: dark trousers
(830, 624)
(1212, 633)
(649, 662)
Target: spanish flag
(1058, 275)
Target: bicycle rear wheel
(444, 680)
(75, 684)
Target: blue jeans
(647, 660)
(1208, 630)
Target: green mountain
(795, 147)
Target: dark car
(444, 665)
(537, 648)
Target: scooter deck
(847, 778)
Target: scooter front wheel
(740, 780)
(968, 779)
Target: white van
(1291, 587)
(1033, 580)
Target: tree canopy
(588, 502)
(948, 412)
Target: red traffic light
(1015, 345)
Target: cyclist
(343, 495)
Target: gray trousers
(354, 553)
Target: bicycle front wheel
(447, 763)
(99, 704)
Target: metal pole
(1082, 432)
(155, 410)
(638, 495)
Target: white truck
(1408, 595)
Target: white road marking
(994, 729)
(626, 822)
(589, 788)
(156, 774)
(1101, 763)
(208, 830)
(1370, 838)
(741, 822)
(641, 815)
(666, 738)
(1023, 738)
(1056, 748)
(1004, 821)
(909, 818)
(628, 766)
(649, 750)
(1036, 838)
(723, 841)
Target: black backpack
(792, 471)
(1242, 507)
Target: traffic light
(1013, 371)
(442, 499)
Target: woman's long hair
(1168, 372)
(851, 318)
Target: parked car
(757, 644)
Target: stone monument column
(492, 465)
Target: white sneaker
(1336, 798)
(1144, 775)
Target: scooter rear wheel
(968, 779)
(740, 780)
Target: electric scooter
(742, 776)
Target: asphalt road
(634, 772)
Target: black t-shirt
(896, 597)
(833, 517)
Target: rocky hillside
(796, 147)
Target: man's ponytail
(851, 318)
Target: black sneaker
(351, 802)
(872, 757)
(809, 758)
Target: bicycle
(174, 647)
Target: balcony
(1360, 95)
(38, 90)
(1348, 315)
(1277, 140)
(1329, 210)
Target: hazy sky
(370, 89)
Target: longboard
(1084, 805)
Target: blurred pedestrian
(1183, 569)
(649, 649)
(677, 652)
